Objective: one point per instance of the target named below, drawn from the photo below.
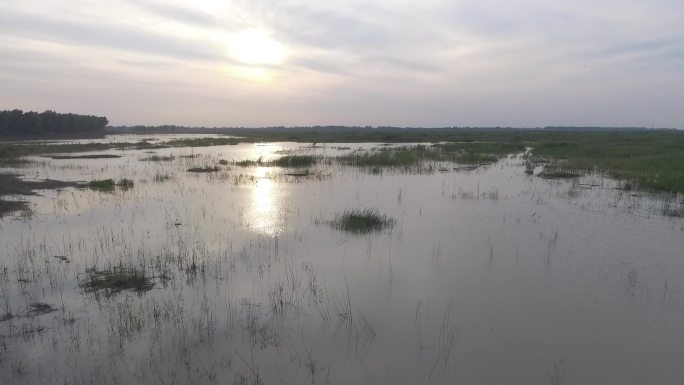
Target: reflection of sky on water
(265, 213)
(265, 208)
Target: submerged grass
(91, 156)
(205, 169)
(108, 185)
(294, 161)
(361, 221)
(116, 279)
(158, 158)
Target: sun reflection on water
(266, 212)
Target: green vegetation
(361, 221)
(158, 158)
(406, 156)
(295, 161)
(203, 142)
(102, 185)
(204, 169)
(108, 185)
(550, 173)
(116, 279)
(125, 184)
(283, 161)
(646, 160)
(249, 163)
(92, 156)
(12, 151)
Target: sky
(523, 63)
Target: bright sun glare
(256, 47)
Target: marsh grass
(91, 156)
(158, 158)
(287, 161)
(116, 279)
(159, 177)
(361, 221)
(125, 184)
(558, 173)
(204, 169)
(646, 160)
(108, 185)
(295, 161)
(414, 156)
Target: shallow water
(488, 276)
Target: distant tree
(19, 124)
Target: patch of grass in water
(295, 161)
(102, 185)
(248, 163)
(202, 142)
(125, 184)
(558, 174)
(283, 161)
(108, 185)
(93, 156)
(116, 279)
(204, 169)
(158, 158)
(361, 221)
(411, 156)
(385, 158)
(159, 178)
(650, 160)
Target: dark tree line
(20, 124)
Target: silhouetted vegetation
(19, 124)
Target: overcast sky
(391, 62)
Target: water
(488, 276)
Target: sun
(256, 47)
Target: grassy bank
(650, 160)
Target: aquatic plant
(361, 221)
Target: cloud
(471, 62)
(102, 34)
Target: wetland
(475, 258)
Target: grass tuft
(158, 158)
(295, 161)
(361, 221)
(116, 279)
(204, 169)
(108, 185)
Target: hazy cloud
(399, 62)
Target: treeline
(17, 124)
